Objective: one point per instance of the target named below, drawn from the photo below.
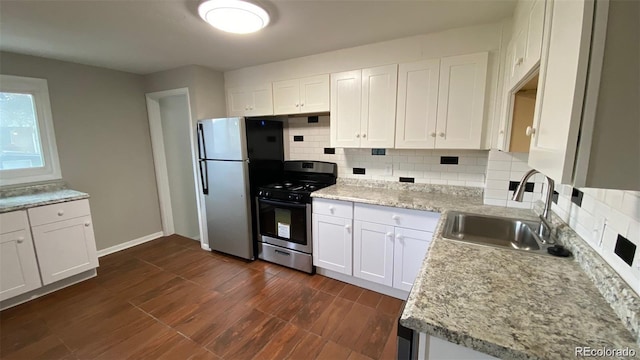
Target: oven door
(285, 224)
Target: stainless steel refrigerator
(224, 168)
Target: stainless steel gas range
(284, 213)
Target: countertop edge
(77, 195)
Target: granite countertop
(501, 302)
(22, 198)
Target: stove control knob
(260, 193)
(267, 193)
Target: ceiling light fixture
(234, 16)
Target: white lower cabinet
(51, 242)
(387, 246)
(332, 243)
(373, 252)
(18, 264)
(65, 248)
(409, 249)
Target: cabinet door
(373, 252)
(379, 88)
(346, 89)
(563, 71)
(261, 101)
(417, 105)
(65, 248)
(332, 243)
(504, 129)
(461, 97)
(18, 265)
(286, 97)
(519, 50)
(237, 101)
(533, 45)
(409, 252)
(314, 94)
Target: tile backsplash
(504, 169)
(444, 167)
(609, 220)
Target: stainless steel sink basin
(494, 231)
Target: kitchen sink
(494, 231)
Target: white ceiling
(145, 36)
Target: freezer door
(227, 207)
(222, 139)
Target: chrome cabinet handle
(60, 212)
(390, 235)
(297, 105)
(395, 217)
(357, 135)
(331, 209)
(364, 135)
(441, 134)
(347, 227)
(399, 237)
(87, 224)
(433, 134)
(20, 240)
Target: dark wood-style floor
(168, 299)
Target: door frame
(160, 160)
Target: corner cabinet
(441, 103)
(250, 100)
(44, 245)
(363, 107)
(18, 264)
(307, 95)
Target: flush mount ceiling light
(234, 16)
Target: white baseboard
(393, 292)
(128, 244)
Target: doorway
(172, 140)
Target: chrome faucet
(545, 228)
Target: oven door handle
(282, 203)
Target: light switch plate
(598, 230)
(388, 169)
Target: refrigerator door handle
(202, 150)
(204, 177)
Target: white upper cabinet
(461, 98)
(346, 98)
(526, 40)
(306, 95)
(363, 107)
(377, 125)
(417, 104)
(561, 90)
(250, 101)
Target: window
(27, 142)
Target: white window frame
(39, 89)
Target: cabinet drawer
(343, 209)
(13, 221)
(406, 218)
(58, 212)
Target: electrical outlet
(388, 169)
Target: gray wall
(102, 133)
(206, 88)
